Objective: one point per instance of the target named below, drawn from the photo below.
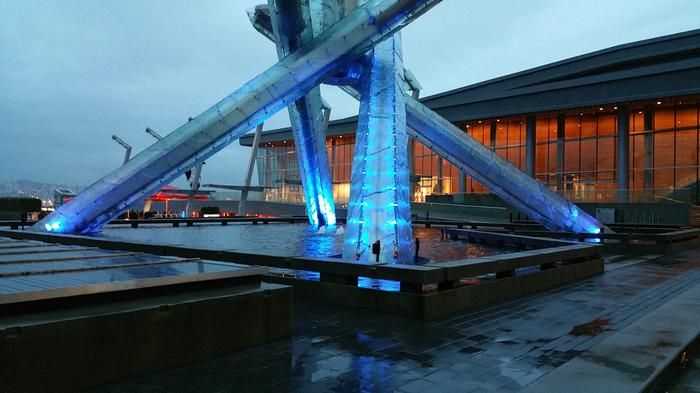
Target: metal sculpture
(357, 50)
(232, 117)
(292, 28)
(464, 152)
(192, 176)
(379, 209)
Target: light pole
(126, 146)
(153, 133)
(127, 156)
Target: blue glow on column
(310, 146)
(379, 207)
(500, 176)
(305, 115)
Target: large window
(664, 150)
(589, 156)
(278, 169)
(576, 154)
(340, 152)
(546, 150)
(481, 131)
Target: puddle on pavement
(592, 328)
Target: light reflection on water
(294, 240)
(288, 240)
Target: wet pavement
(500, 348)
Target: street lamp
(126, 146)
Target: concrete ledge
(424, 291)
(666, 242)
(455, 270)
(637, 358)
(82, 347)
(442, 303)
(406, 273)
(469, 296)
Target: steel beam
(249, 173)
(232, 117)
(126, 146)
(622, 167)
(498, 175)
(530, 145)
(192, 176)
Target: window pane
(607, 125)
(501, 135)
(588, 126)
(588, 155)
(663, 118)
(663, 150)
(686, 116)
(606, 153)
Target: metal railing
(661, 195)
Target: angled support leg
(232, 117)
(249, 174)
(471, 157)
(379, 206)
(292, 28)
(194, 187)
(498, 175)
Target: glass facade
(575, 154)
(664, 147)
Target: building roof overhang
(666, 66)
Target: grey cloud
(73, 73)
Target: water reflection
(376, 283)
(289, 240)
(319, 243)
(297, 240)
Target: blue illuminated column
(292, 28)
(379, 206)
(208, 133)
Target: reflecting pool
(289, 240)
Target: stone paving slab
(499, 348)
(632, 359)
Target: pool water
(289, 240)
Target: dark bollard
(190, 223)
(176, 224)
(376, 248)
(505, 274)
(417, 249)
(224, 223)
(134, 224)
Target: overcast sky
(72, 73)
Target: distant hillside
(26, 188)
